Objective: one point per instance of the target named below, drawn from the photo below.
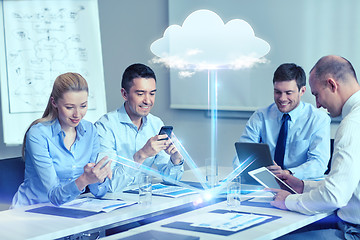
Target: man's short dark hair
(288, 72)
(136, 70)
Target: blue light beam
(189, 161)
(236, 172)
(212, 105)
(150, 171)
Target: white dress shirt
(341, 188)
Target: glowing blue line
(148, 170)
(194, 168)
(236, 172)
(212, 82)
(211, 192)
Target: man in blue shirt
(132, 131)
(307, 147)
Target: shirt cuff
(291, 202)
(73, 189)
(100, 189)
(296, 172)
(174, 167)
(180, 163)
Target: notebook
(259, 153)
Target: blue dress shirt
(307, 150)
(118, 135)
(51, 169)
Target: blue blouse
(51, 169)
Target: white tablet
(266, 178)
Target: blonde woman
(60, 149)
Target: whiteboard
(39, 40)
(298, 32)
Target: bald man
(334, 84)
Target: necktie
(281, 142)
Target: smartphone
(269, 180)
(165, 130)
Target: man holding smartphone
(132, 131)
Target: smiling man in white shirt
(334, 84)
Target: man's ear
(124, 94)
(332, 84)
(302, 90)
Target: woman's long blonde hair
(63, 83)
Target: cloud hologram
(205, 42)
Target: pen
(112, 206)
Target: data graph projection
(44, 39)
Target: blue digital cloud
(205, 42)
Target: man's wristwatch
(180, 163)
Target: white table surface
(18, 224)
(288, 222)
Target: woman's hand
(94, 173)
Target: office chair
(12, 172)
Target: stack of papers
(231, 221)
(164, 190)
(97, 205)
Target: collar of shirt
(350, 103)
(124, 118)
(294, 114)
(56, 128)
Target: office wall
(128, 28)
(297, 31)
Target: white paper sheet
(97, 205)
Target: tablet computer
(257, 153)
(269, 180)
